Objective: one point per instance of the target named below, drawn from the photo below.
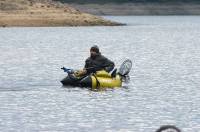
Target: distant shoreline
(140, 8)
(25, 13)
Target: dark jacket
(98, 63)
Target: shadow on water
(28, 88)
(70, 88)
(73, 89)
(13, 89)
(39, 87)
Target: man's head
(94, 51)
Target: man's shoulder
(88, 59)
(102, 57)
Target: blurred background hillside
(137, 7)
(128, 1)
(45, 13)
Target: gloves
(80, 73)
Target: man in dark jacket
(97, 62)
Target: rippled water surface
(164, 86)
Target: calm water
(164, 86)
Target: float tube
(100, 79)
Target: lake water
(164, 86)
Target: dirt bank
(45, 13)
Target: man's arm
(86, 64)
(109, 65)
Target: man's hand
(84, 71)
(80, 72)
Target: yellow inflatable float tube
(102, 79)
